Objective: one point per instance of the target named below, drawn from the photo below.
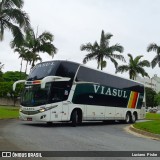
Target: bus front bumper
(41, 117)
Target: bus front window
(35, 96)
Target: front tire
(74, 118)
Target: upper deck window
(53, 68)
(42, 70)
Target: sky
(133, 23)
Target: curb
(144, 133)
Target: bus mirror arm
(15, 83)
(53, 79)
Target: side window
(59, 91)
(56, 94)
(91, 75)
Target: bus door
(56, 111)
(65, 110)
(58, 96)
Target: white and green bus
(68, 91)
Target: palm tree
(156, 59)
(102, 50)
(13, 18)
(22, 54)
(35, 44)
(134, 67)
(1, 66)
(1, 73)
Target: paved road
(94, 136)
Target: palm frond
(117, 47)
(142, 72)
(46, 36)
(104, 40)
(155, 61)
(89, 57)
(152, 47)
(17, 34)
(48, 48)
(12, 3)
(136, 60)
(1, 30)
(18, 17)
(114, 62)
(86, 47)
(122, 68)
(144, 63)
(119, 57)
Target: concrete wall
(8, 102)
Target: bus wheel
(128, 118)
(134, 118)
(74, 118)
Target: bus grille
(30, 112)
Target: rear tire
(128, 118)
(74, 118)
(134, 118)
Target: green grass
(9, 112)
(152, 116)
(150, 126)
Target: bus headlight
(46, 109)
(42, 110)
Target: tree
(134, 67)
(1, 66)
(157, 99)
(11, 76)
(14, 19)
(1, 73)
(35, 44)
(6, 86)
(150, 97)
(22, 54)
(102, 50)
(156, 59)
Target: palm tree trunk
(101, 63)
(21, 68)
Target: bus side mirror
(15, 83)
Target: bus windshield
(35, 96)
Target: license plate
(29, 119)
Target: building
(153, 82)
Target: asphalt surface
(90, 136)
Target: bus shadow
(68, 124)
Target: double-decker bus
(67, 91)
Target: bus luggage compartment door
(95, 112)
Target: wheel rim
(133, 118)
(127, 118)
